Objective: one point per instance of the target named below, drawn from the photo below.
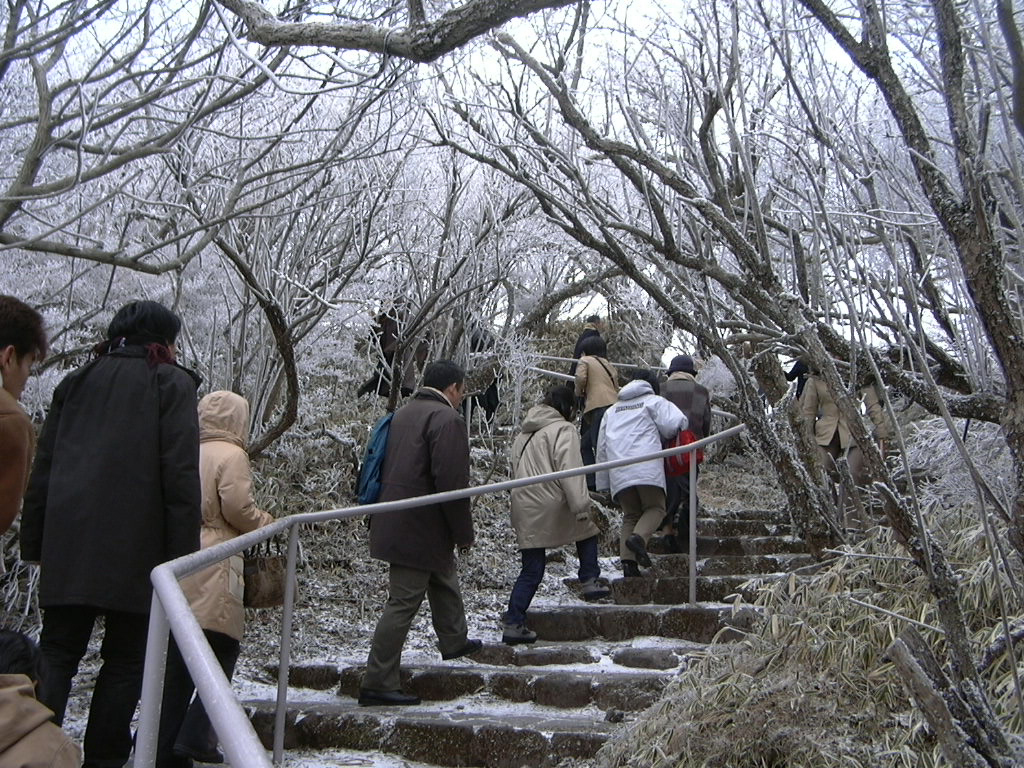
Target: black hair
(645, 374)
(441, 374)
(563, 399)
(22, 327)
(20, 656)
(594, 346)
(594, 319)
(144, 322)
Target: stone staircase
(594, 665)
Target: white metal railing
(171, 611)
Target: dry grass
(812, 687)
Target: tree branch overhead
(424, 42)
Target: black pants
(64, 641)
(182, 725)
(589, 431)
(678, 507)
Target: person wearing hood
(214, 593)
(28, 737)
(550, 514)
(597, 383)
(22, 344)
(693, 399)
(637, 424)
(113, 493)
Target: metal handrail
(171, 611)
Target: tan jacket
(17, 444)
(27, 737)
(557, 512)
(215, 593)
(598, 381)
(822, 414)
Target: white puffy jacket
(636, 424)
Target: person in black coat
(113, 493)
(592, 327)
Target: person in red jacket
(22, 344)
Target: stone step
(730, 565)
(675, 590)
(727, 526)
(323, 676)
(628, 691)
(438, 735)
(708, 546)
(699, 623)
(769, 515)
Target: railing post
(692, 503)
(286, 647)
(152, 686)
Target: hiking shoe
(635, 544)
(516, 634)
(630, 569)
(594, 590)
(373, 698)
(471, 647)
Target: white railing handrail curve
(171, 612)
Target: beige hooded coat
(823, 419)
(554, 513)
(597, 381)
(215, 593)
(27, 737)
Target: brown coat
(598, 381)
(215, 593)
(428, 452)
(823, 418)
(17, 444)
(27, 737)
(555, 513)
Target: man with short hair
(693, 399)
(22, 344)
(592, 327)
(427, 452)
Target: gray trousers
(643, 508)
(406, 589)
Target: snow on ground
(342, 591)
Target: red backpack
(679, 465)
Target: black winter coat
(114, 490)
(428, 452)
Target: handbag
(264, 572)
(679, 465)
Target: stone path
(594, 665)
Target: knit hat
(682, 363)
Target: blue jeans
(532, 574)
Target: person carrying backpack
(427, 452)
(693, 399)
